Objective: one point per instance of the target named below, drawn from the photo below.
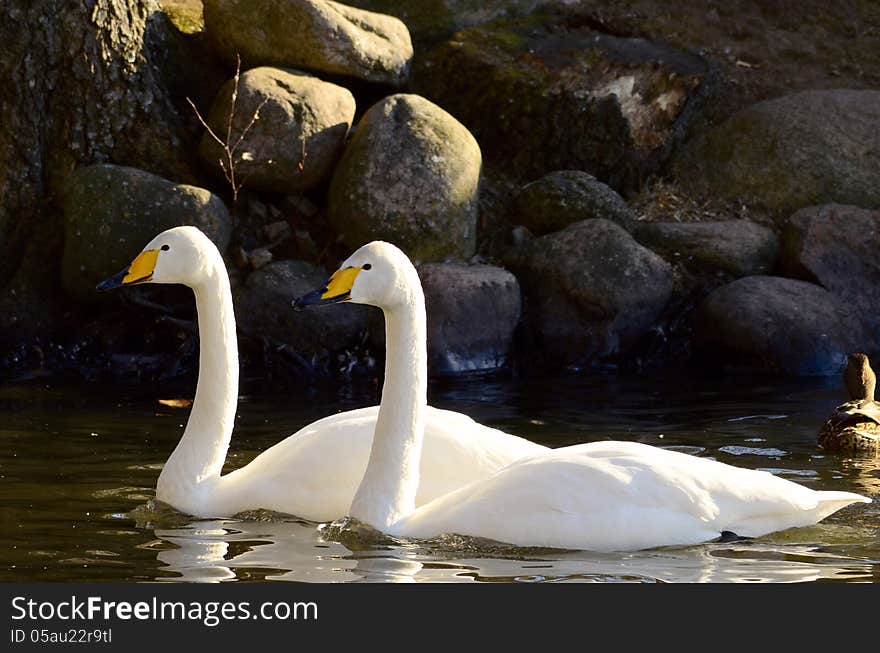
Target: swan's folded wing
(620, 496)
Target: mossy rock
(288, 128)
(111, 212)
(316, 35)
(564, 197)
(804, 149)
(434, 20)
(410, 175)
(542, 95)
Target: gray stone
(472, 313)
(540, 94)
(410, 176)
(738, 247)
(263, 308)
(777, 325)
(430, 20)
(590, 290)
(813, 147)
(317, 35)
(837, 246)
(111, 212)
(297, 136)
(563, 197)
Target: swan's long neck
(388, 490)
(200, 454)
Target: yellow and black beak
(337, 289)
(140, 271)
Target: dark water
(78, 464)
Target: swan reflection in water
(288, 550)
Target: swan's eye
(165, 248)
(366, 266)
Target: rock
(590, 290)
(410, 176)
(563, 197)
(813, 147)
(472, 313)
(317, 35)
(542, 95)
(111, 212)
(738, 247)
(263, 308)
(300, 129)
(777, 325)
(437, 19)
(837, 247)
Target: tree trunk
(83, 84)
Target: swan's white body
(620, 496)
(601, 496)
(313, 473)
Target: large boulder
(590, 290)
(288, 129)
(540, 94)
(738, 247)
(563, 197)
(809, 148)
(317, 35)
(111, 212)
(433, 20)
(263, 309)
(410, 175)
(837, 246)
(473, 311)
(777, 325)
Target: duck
(312, 474)
(854, 425)
(599, 496)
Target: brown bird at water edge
(855, 425)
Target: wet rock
(263, 309)
(809, 148)
(738, 247)
(542, 95)
(563, 197)
(410, 176)
(590, 290)
(837, 247)
(777, 325)
(294, 128)
(316, 35)
(472, 313)
(111, 212)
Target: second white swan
(602, 496)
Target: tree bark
(83, 84)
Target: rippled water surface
(79, 462)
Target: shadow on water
(78, 465)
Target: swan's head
(179, 255)
(378, 274)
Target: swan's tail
(831, 501)
(827, 503)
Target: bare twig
(302, 161)
(230, 150)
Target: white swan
(312, 474)
(602, 496)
